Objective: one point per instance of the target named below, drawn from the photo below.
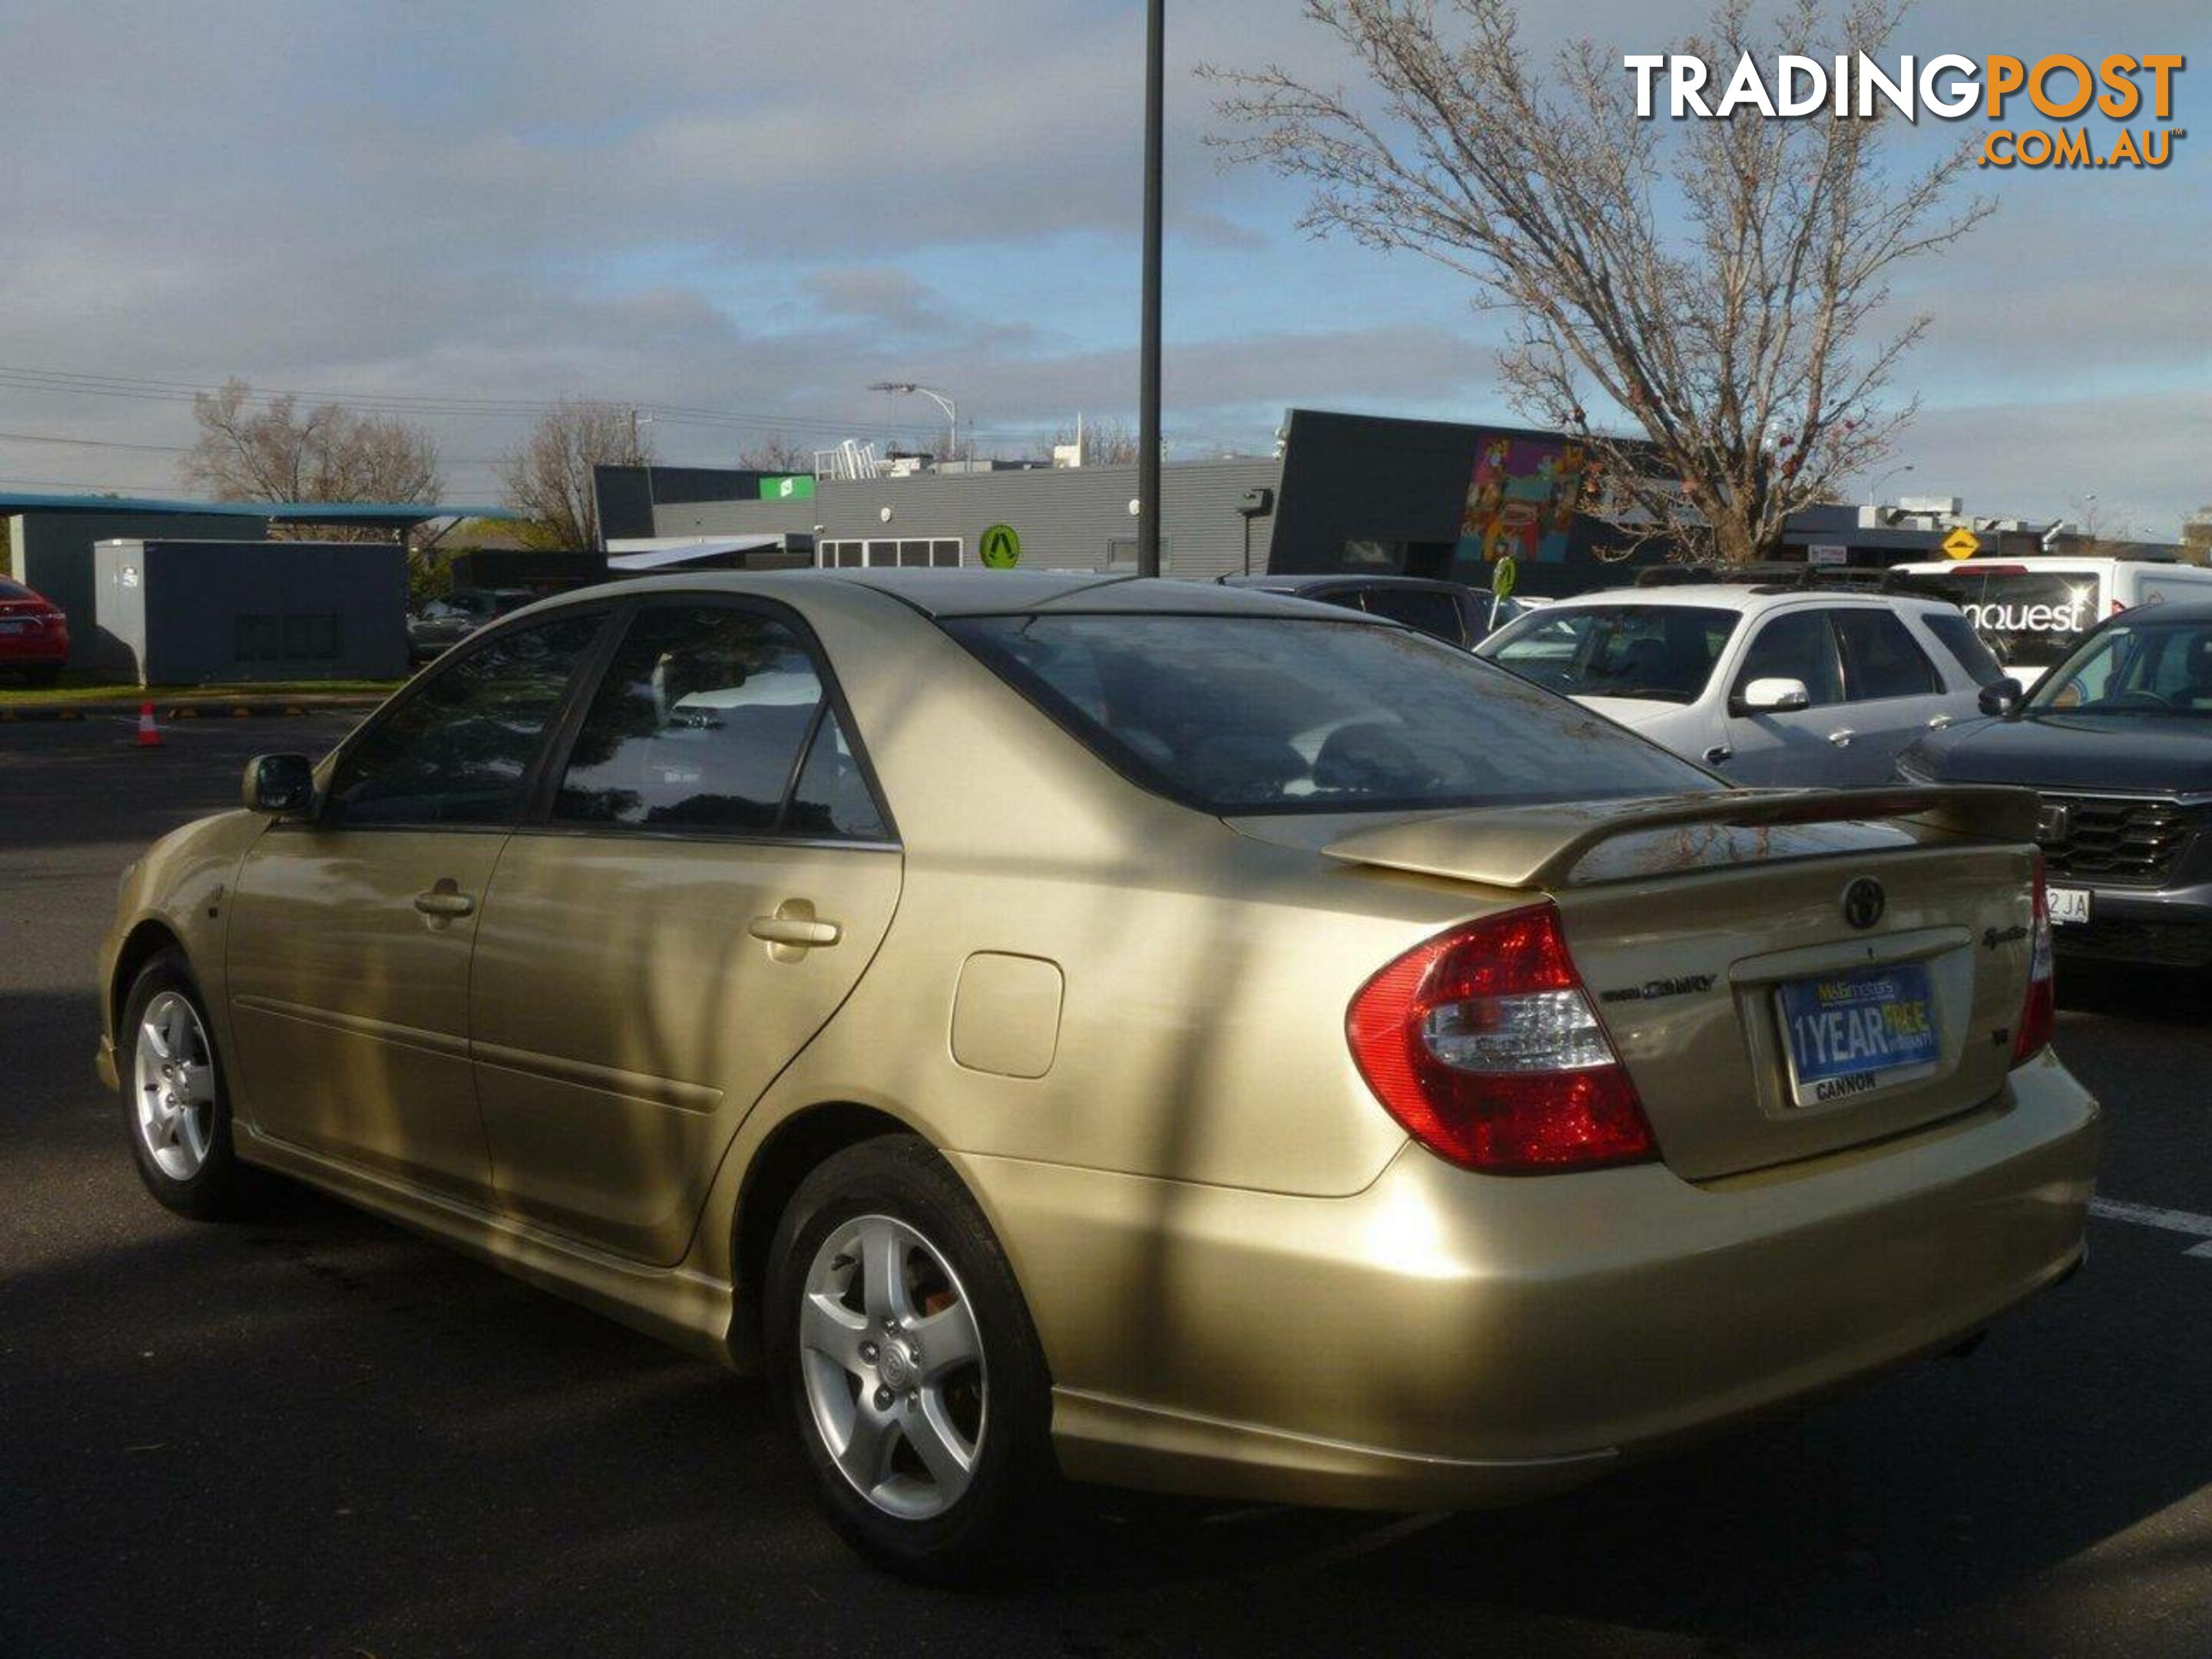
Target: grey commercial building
(52, 552)
(172, 612)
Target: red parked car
(34, 639)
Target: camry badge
(1864, 901)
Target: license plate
(1853, 1033)
(7, 627)
(2068, 904)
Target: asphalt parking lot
(316, 1434)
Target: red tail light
(2039, 1013)
(1484, 1043)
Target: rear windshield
(1249, 715)
(13, 590)
(1663, 653)
(2031, 618)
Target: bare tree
(777, 454)
(1106, 442)
(249, 451)
(550, 477)
(1720, 283)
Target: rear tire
(176, 1104)
(899, 1342)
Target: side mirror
(1776, 696)
(2001, 697)
(279, 783)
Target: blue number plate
(1850, 1034)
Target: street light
(951, 409)
(1874, 489)
(1148, 347)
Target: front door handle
(445, 900)
(794, 930)
(1940, 722)
(1842, 736)
(1719, 755)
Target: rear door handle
(446, 900)
(1719, 755)
(1940, 722)
(794, 925)
(1842, 736)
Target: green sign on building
(788, 487)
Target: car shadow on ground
(377, 1444)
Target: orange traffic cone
(149, 735)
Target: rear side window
(1956, 635)
(459, 748)
(1881, 659)
(702, 722)
(1797, 645)
(1249, 714)
(1434, 613)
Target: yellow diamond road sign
(1962, 544)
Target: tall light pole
(1874, 489)
(942, 400)
(1148, 349)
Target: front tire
(176, 1105)
(901, 1342)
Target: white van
(2034, 611)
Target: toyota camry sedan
(1058, 1026)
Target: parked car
(34, 636)
(1154, 1032)
(1766, 683)
(2116, 740)
(440, 624)
(2033, 612)
(1451, 611)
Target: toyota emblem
(1864, 901)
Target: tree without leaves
(1719, 282)
(273, 453)
(777, 454)
(550, 477)
(1105, 443)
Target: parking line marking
(2198, 1227)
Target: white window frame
(882, 552)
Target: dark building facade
(208, 612)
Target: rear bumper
(1445, 1340)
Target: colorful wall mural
(1521, 499)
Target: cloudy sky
(742, 213)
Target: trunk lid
(1687, 916)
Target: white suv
(1765, 684)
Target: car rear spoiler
(1541, 846)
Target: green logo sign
(1000, 549)
(1503, 575)
(788, 487)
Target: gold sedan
(1148, 1032)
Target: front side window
(1664, 653)
(701, 723)
(1797, 645)
(1251, 714)
(459, 750)
(1881, 659)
